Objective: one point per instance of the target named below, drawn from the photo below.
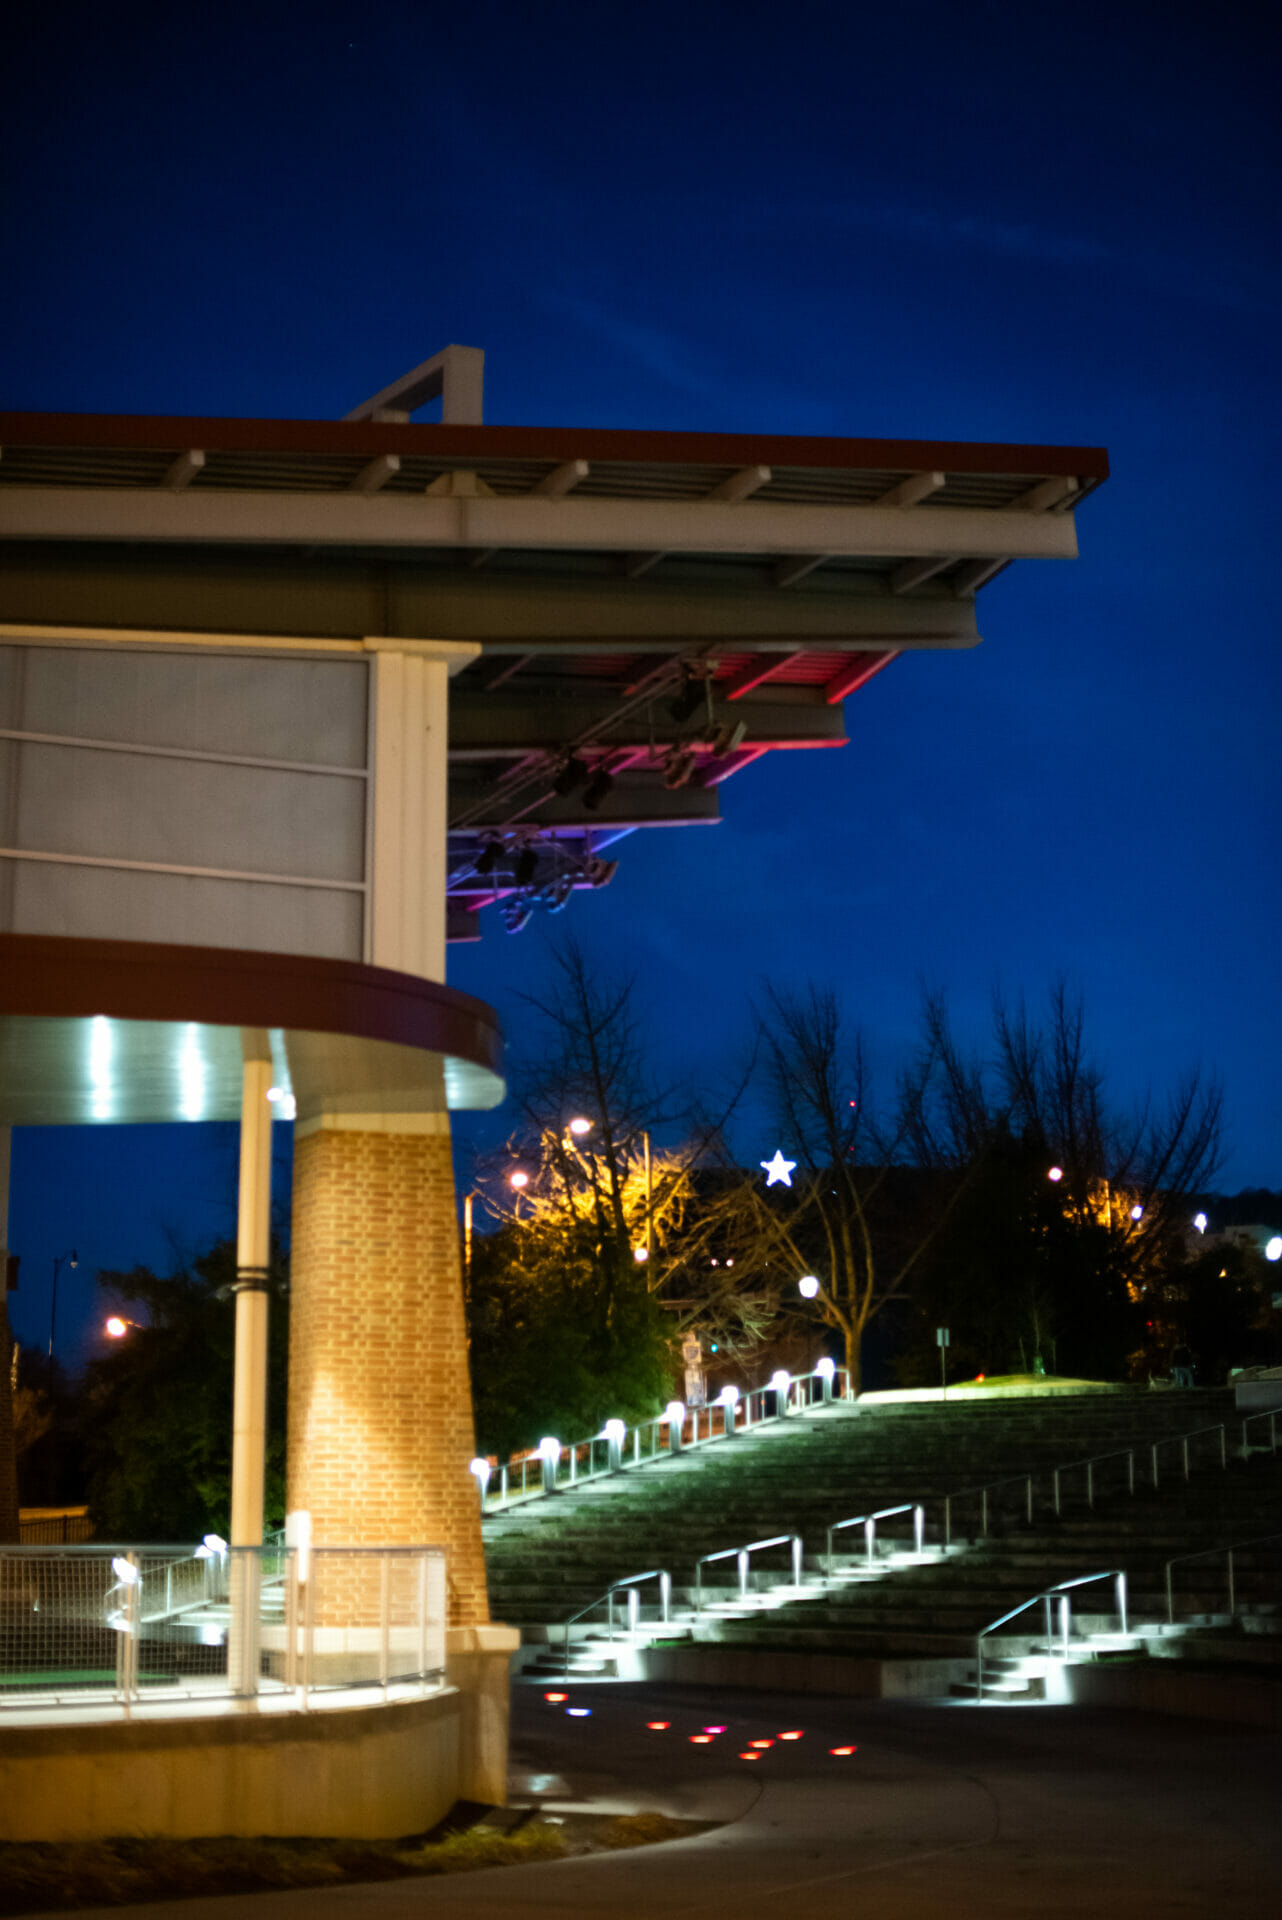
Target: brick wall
(380, 1403)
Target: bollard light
(808, 1286)
(613, 1433)
(675, 1416)
(550, 1455)
(780, 1386)
(480, 1472)
(1273, 1248)
(826, 1368)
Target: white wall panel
(107, 903)
(259, 707)
(195, 813)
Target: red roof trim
(365, 438)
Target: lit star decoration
(778, 1170)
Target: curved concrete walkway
(943, 1810)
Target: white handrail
(592, 1457)
(741, 1556)
(1060, 1591)
(868, 1521)
(1208, 1553)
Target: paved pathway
(942, 1811)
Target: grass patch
(59, 1876)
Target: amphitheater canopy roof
(654, 611)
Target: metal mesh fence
(136, 1625)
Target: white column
(410, 800)
(249, 1409)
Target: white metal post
(249, 1413)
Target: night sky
(929, 221)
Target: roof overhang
(126, 1031)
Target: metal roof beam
(914, 572)
(495, 725)
(410, 521)
(376, 473)
(562, 480)
(788, 572)
(630, 804)
(741, 485)
(857, 673)
(762, 667)
(185, 469)
(918, 486)
(455, 374)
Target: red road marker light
(761, 1743)
(714, 1729)
(750, 1756)
(556, 1696)
(843, 1750)
(792, 1736)
(658, 1726)
(701, 1739)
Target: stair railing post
(796, 1559)
(1055, 1490)
(919, 1528)
(870, 1539)
(1184, 1444)
(1224, 1458)
(1028, 1497)
(1120, 1585)
(1090, 1485)
(948, 1519)
(1154, 1452)
(1050, 1631)
(1232, 1590)
(665, 1596)
(1065, 1615)
(742, 1558)
(1130, 1471)
(1170, 1592)
(634, 1611)
(983, 1513)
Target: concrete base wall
(339, 1772)
(359, 1772)
(841, 1675)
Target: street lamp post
(70, 1257)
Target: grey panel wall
(124, 782)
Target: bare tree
(817, 1070)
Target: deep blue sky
(979, 222)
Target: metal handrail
(992, 1486)
(1207, 1553)
(1193, 1433)
(630, 1585)
(868, 1521)
(1061, 1589)
(1271, 1415)
(591, 1457)
(1095, 1459)
(741, 1556)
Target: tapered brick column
(380, 1403)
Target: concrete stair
(550, 1559)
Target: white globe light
(780, 1381)
(614, 1430)
(1055, 1173)
(580, 1126)
(1199, 1221)
(826, 1367)
(549, 1448)
(1273, 1250)
(1137, 1213)
(807, 1286)
(729, 1396)
(674, 1413)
